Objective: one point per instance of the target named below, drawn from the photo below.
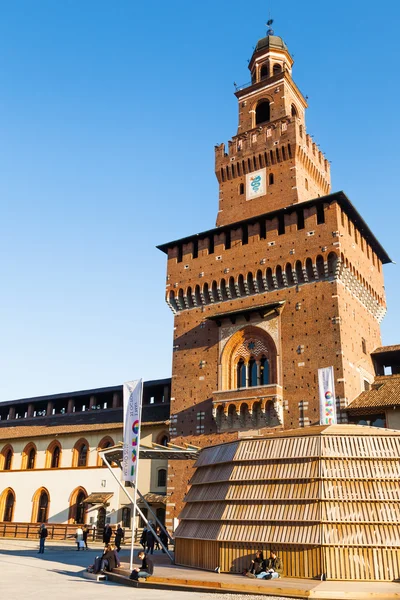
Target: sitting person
(256, 566)
(145, 570)
(273, 567)
(108, 560)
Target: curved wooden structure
(327, 498)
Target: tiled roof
(155, 498)
(394, 348)
(384, 393)
(33, 431)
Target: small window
(241, 189)
(162, 478)
(82, 456)
(277, 69)
(320, 214)
(55, 459)
(262, 112)
(293, 111)
(8, 460)
(31, 459)
(364, 345)
(306, 183)
(271, 179)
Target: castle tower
(290, 281)
(271, 162)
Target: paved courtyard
(57, 575)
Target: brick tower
(288, 282)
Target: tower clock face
(256, 184)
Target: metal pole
(109, 467)
(136, 478)
(143, 499)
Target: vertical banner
(327, 398)
(256, 184)
(132, 416)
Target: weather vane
(270, 31)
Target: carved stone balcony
(248, 408)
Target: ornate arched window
(7, 504)
(29, 456)
(40, 509)
(6, 457)
(80, 453)
(249, 359)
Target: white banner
(132, 416)
(327, 398)
(256, 184)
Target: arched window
(77, 506)
(320, 267)
(309, 269)
(31, 459)
(80, 508)
(299, 272)
(264, 73)
(293, 111)
(164, 440)
(264, 371)
(332, 264)
(263, 113)
(8, 456)
(42, 507)
(80, 453)
(126, 517)
(161, 478)
(277, 69)
(105, 442)
(289, 274)
(55, 458)
(252, 367)
(271, 179)
(241, 374)
(231, 415)
(7, 503)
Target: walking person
(156, 542)
(43, 533)
(119, 536)
(143, 537)
(107, 534)
(150, 539)
(164, 538)
(85, 536)
(79, 538)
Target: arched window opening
(252, 369)
(309, 269)
(126, 517)
(31, 459)
(271, 179)
(320, 267)
(55, 458)
(215, 291)
(279, 277)
(232, 288)
(9, 507)
(241, 189)
(293, 111)
(277, 69)
(197, 295)
(161, 478)
(299, 272)
(250, 283)
(181, 302)
(332, 264)
(242, 291)
(43, 507)
(219, 416)
(260, 282)
(256, 413)
(231, 415)
(223, 290)
(164, 441)
(189, 297)
(264, 72)
(270, 279)
(8, 460)
(80, 508)
(172, 301)
(264, 371)
(289, 274)
(206, 294)
(241, 374)
(82, 455)
(244, 415)
(263, 113)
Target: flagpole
(136, 481)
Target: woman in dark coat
(108, 561)
(107, 534)
(119, 534)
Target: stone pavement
(57, 575)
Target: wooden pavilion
(326, 498)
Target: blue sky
(109, 112)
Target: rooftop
(384, 393)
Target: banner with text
(132, 417)
(256, 184)
(327, 398)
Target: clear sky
(109, 113)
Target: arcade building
(289, 281)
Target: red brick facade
(290, 281)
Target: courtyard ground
(57, 575)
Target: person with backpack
(43, 533)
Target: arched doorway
(80, 508)
(77, 507)
(101, 518)
(160, 514)
(43, 507)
